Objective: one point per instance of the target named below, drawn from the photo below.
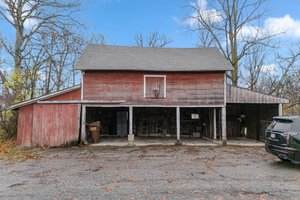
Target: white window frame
(156, 76)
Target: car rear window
(281, 124)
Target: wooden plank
(207, 88)
(215, 124)
(130, 119)
(24, 132)
(224, 135)
(242, 95)
(178, 123)
(55, 125)
(83, 124)
(73, 95)
(280, 109)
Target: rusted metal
(94, 128)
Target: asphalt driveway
(155, 172)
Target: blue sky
(120, 20)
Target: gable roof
(103, 57)
(243, 95)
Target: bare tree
(205, 39)
(61, 50)
(253, 67)
(231, 24)
(39, 26)
(31, 18)
(33, 65)
(284, 81)
(154, 39)
(97, 39)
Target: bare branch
(154, 39)
(229, 25)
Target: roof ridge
(105, 45)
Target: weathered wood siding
(242, 95)
(49, 124)
(205, 88)
(55, 125)
(24, 132)
(73, 95)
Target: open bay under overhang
(163, 122)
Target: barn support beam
(215, 124)
(178, 125)
(130, 135)
(280, 109)
(83, 122)
(224, 135)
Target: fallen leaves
(11, 152)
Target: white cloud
(42, 76)
(269, 68)
(249, 31)
(286, 24)
(211, 15)
(29, 23)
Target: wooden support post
(223, 115)
(224, 135)
(130, 119)
(280, 109)
(81, 89)
(83, 121)
(178, 125)
(130, 135)
(215, 124)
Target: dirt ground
(155, 172)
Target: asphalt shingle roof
(103, 57)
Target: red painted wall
(55, 124)
(73, 95)
(49, 124)
(193, 88)
(24, 133)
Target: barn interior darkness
(161, 122)
(113, 120)
(154, 121)
(249, 120)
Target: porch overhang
(238, 95)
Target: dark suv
(283, 138)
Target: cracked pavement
(154, 172)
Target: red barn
(162, 92)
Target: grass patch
(11, 152)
